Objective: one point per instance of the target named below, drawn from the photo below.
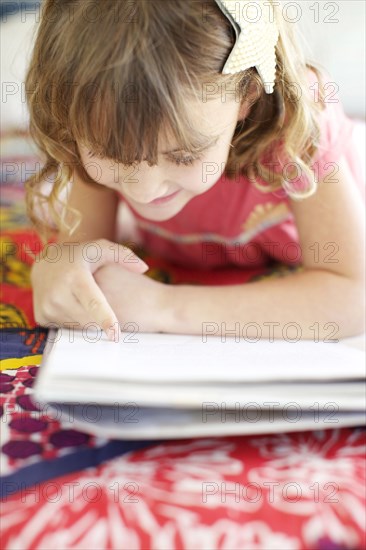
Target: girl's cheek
(208, 173)
(198, 177)
(110, 175)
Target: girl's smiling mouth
(163, 200)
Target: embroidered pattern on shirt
(261, 218)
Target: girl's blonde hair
(113, 74)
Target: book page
(172, 358)
(157, 423)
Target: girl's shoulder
(335, 127)
(337, 133)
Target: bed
(62, 488)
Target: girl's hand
(136, 298)
(64, 289)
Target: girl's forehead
(212, 116)
(215, 106)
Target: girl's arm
(98, 207)
(324, 301)
(64, 288)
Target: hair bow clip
(256, 38)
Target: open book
(176, 386)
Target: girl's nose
(148, 184)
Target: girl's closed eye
(91, 154)
(187, 161)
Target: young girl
(129, 103)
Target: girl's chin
(159, 212)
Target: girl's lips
(167, 198)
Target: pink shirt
(234, 224)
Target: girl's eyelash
(91, 154)
(187, 161)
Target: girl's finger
(95, 305)
(109, 252)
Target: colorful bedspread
(62, 488)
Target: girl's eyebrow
(212, 141)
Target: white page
(175, 358)
(145, 423)
(341, 396)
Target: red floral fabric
(65, 489)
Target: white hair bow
(256, 37)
